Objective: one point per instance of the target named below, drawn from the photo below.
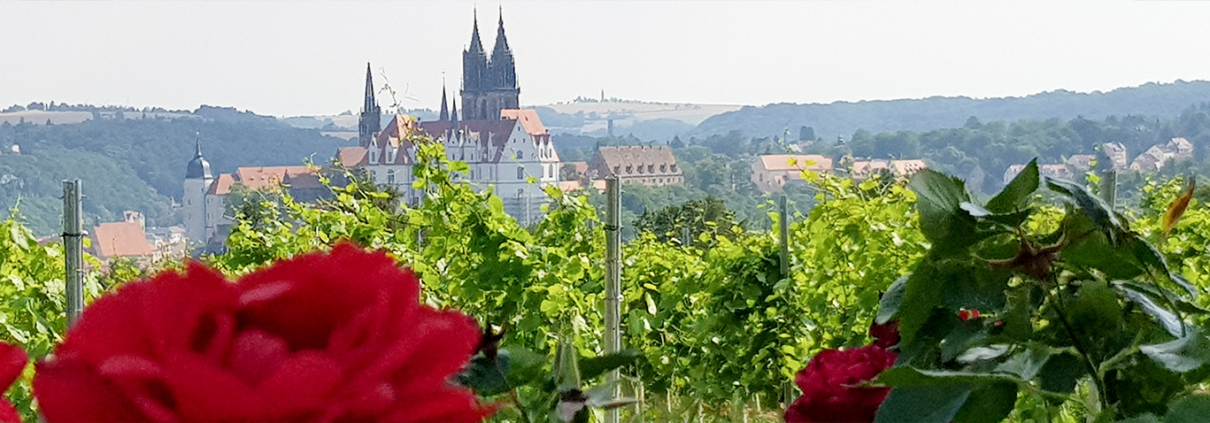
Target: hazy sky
(298, 58)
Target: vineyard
(1042, 303)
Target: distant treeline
(139, 164)
(843, 118)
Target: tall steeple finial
(370, 122)
(370, 102)
(501, 40)
(445, 111)
(454, 114)
(198, 140)
(476, 43)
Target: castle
(506, 148)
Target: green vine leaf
(1016, 194)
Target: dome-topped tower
(198, 168)
(193, 201)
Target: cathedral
(488, 85)
(506, 148)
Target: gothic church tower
(488, 86)
(370, 123)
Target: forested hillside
(139, 164)
(843, 118)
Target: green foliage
(707, 218)
(1088, 312)
(32, 298)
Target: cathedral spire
(501, 40)
(476, 44)
(454, 114)
(370, 102)
(371, 115)
(445, 112)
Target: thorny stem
(512, 393)
(1102, 395)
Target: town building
(646, 165)
(125, 239)
(1080, 163)
(1116, 152)
(204, 203)
(862, 169)
(1154, 159)
(506, 149)
(1057, 171)
(772, 172)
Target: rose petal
(443, 341)
(443, 407)
(255, 355)
(69, 391)
(12, 361)
(301, 385)
(308, 314)
(206, 393)
(8, 414)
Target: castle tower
(197, 181)
(370, 123)
(488, 86)
(445, 110)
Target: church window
(663, 168)
(520, 172)
(390, 176)
(520, 155)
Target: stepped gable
(489, 134)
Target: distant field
(39, 117)
(692, 114)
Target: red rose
(885, 335)
(828, 392)
(12, 362)
(323, 337)
(972, 314)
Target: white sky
(305, 58)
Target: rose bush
(322, 337)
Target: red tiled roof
(265, 177)
(569, 186)
(351, 156)
(581, 167)
(222, 184)
(529, 120)
(781, 162)
(120, 239)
